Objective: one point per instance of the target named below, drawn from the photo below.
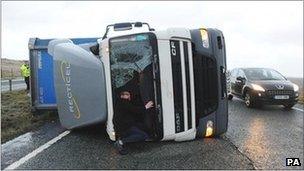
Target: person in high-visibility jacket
(25, 72)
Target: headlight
(205, 39)
(209, 129)
(257, 87)
(295, 87)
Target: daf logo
(280, 87)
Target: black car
(258, 86)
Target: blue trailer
(42, 81)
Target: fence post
(12, 73)
(10, 84)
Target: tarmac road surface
(267, 135)
(256, 139)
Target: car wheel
(288, 106)
(230, 96)
(248, 100)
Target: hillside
(298, 81)
(10, 68)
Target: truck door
(130, 65)
(79, 83)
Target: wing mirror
(95, 49)
(122, 26)
(241, 79)
(138, 24)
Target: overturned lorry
(182, 71)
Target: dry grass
(16, 116)
(301, 99)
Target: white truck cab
(182, 71)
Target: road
(17, 84)
(256, 139)
(268, 135)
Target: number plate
(281, 97)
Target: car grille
(280, 92)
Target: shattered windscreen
(129, 55)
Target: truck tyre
(248, 100)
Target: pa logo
(293, 162)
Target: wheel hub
(247, 100)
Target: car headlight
(257, 87)
(295, 87)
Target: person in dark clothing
(27, 82)
(126, 124)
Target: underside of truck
(209, 64)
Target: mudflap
(79, 83)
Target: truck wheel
(288, 106)
(230, 96)
(248, 100)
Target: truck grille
(182, 90)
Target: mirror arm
(106, 33)
(150, 29)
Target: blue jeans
(134, 134)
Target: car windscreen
(129, 55)
(263, 74)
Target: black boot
(120, 147)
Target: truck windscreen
(129, 56)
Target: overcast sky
(257, 34)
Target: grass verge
(16, 116)
(301, 99)
(301, 96)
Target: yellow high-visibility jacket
(25, 70)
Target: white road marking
(36, 151)
(295, 108)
